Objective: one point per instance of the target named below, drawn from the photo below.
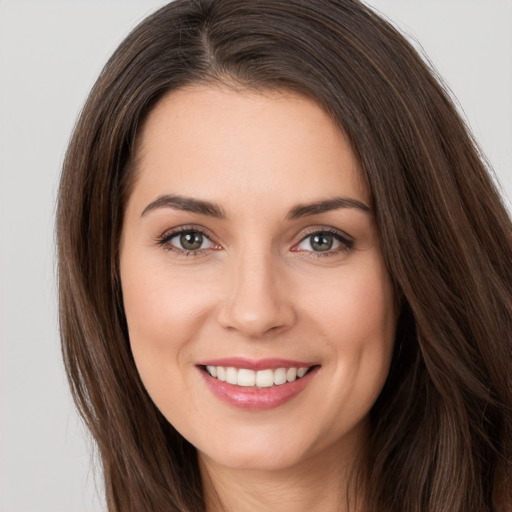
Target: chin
(257, 459)
(272, 449)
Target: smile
(257, 385)
(245, 377)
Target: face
(260, 313)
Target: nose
(257, 300)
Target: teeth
(301, 372)
(291, 374)
(280, 376)
(231, 376)
(261, 378)
(246, 377)
(264, 378)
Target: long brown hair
(442, 426)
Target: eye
(324, 242)
(187, 241)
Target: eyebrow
(304, 210)
(189, 204)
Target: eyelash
(346, 242)
(164, 241)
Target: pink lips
(252, 398)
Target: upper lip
(256, 364)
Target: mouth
(257, 385)
(266, 378)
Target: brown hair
(442, 426)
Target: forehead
(217, 143)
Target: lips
(257, 384)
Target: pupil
(321, 242)
(191, 241)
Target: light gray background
(50, 55)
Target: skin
(257, 290)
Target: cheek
(369, 310)
(355, 317)
(356, 320)
(164, 315)
(165, 311)
(356, 308)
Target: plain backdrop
(50, 54)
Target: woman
(284, 270)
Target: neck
(322, 482)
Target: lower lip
(257, 399)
